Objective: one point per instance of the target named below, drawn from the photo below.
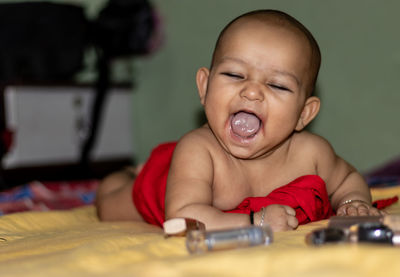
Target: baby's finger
(375, 211)
(362, 210)
(351, 210)
(293, 222)
(290, 210)
(341, 211)
(382, 212)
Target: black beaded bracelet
(251, 217)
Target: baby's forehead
(266, 25)
(249, 28)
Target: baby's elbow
(185, 211)
(173, 211)
(170, 214)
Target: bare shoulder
(195, 149)
(198, 139)
(328, 165)
(317, 151)
(312, 144)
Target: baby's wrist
(351, 201)
(258, 218)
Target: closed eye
(232, 75)
(279, 87)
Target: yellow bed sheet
(74, 243)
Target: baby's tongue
(245, 124)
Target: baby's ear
(310, 111)
(202, 82)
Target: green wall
(358, 83)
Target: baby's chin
(244, 152)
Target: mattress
(74, 242)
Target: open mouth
(245, 124)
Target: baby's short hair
(282, 19)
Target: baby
(253, 162)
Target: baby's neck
(278, 155)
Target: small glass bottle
(200, 241)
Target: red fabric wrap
(383, 203)
(307, 194)
(149, 187)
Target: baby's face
(256, 88)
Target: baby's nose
(252, 92)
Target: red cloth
(383, 203)
(307, 194)
(149, 188)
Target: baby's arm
(347, 189)
(353, 197)
(190, 186)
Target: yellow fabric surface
(74, 243)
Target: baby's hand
(357, 208)
(279, 217)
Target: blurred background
(358, 82)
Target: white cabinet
(49, 124)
